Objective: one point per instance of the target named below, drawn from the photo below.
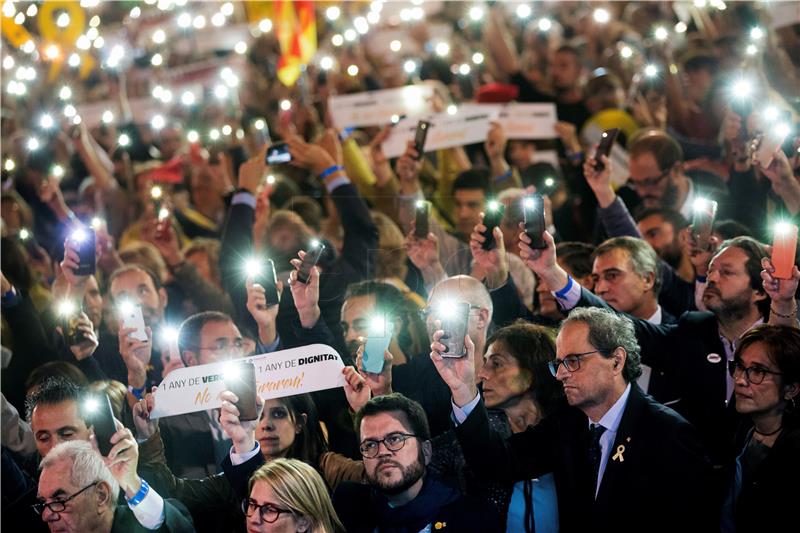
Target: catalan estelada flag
(296, 30)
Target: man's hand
(305, 295)
(145, 426)
(379, 384)
(310, 156)
(424, 254)
(136, 355)
(781, 175)
(781, 291)
(252, 171)
(123, 459)
(165, 241)
(600, 181)
(568, 135)
(542, 262)
(408, 169)
(699, 257)
(380, 163)
(70, 264)
(494, 262)
(355, 389)
(263, 314)
(243, 434)
(457, 372)
(89, 344)
(331, 144)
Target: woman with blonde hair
(288, 495)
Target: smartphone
(278, 153)
(268, 279)
(784, 249)
(771, 141)
(455, 329)
(102, 418)
(85, 240)
(420, 136)
(260, 135)
(491, 219)
(243, 385)
(131, 316)
(309, 261)
(604, 148)
(533, 216)
(703, 222)
(422, 219)
(377, 343)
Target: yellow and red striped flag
(296, 30)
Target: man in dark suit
(695, 349)
(622, 462)
(403, 495)
(78, 493)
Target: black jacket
(362, 509)
(176, 519)
(661, 483)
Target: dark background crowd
(621, 369)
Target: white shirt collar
(613, 416)
(657, 317)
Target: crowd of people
(621, 368)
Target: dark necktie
(595, 452)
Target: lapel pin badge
(618, 456)
(713, 358)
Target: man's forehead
(358, 303)
(65, 410)
(56, 478)
(130, 278)
(731, 256)
(381, 423)
(615, 257)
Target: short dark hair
(308, 209)
(607, 332)
(577, 256)
(754, 251)
(51, 391)
(532, 346)
(130, 268)
(474, 178)
(415, 416)
(664, 148)
(675, 218)
(569, 49)
(700, 62)
(728, 229)
(60, 369)
(190, 329)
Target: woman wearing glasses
(519, 391)
(766, 374)
(289, 496)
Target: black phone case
(103, 424)
(491, 220)
(419, 138)
(244, 387)
(422, 221)
(276, 150)
(455, 329)
(269, 280)
(534, 222)
(604, 148)
(86, 254)
(309, 261)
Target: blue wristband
(139, 496)
(563, 292)
(701, 279)
(504, 176)
(330, 170)
(138, 393)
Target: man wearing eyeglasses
(402, 495)
(78, 493)
(608, 443)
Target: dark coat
(176, 520)
(661, 483)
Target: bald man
(419, 379)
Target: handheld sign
(376, 108)
(278, 374)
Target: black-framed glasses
(394, 442)
(572, 362)
(59, 506)
(647, 182)
(753, 374)
(267, 512)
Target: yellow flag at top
(296, 30)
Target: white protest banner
(446, 131)
(523, 121)
(278, 374)
(376, 108)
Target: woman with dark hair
(766, 374)
(519, 391)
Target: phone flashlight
(66, 308)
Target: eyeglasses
(223, 344)
(268, 512)
(394, 442)
(571, 362)
(59, 506)
(647, 183)
(753, 374)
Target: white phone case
(134, 319)
(770, 143)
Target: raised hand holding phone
(458, 373)
(533, 218)
(305, 295)
(84, 244)
(422, 214)
(604, 148)
(705, 211)
(240, 379)
(379, 337)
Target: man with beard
(402, 495)
(662, 228)
(696, 349)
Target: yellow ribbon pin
(618, 456)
